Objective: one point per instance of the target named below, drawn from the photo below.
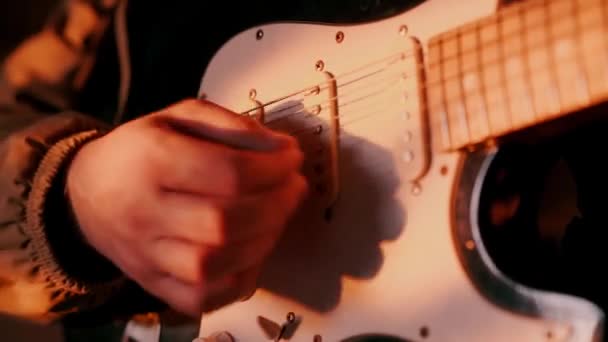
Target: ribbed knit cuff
(61, 254)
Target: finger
(180, 296)
(200, 265)
(265, 213)
(213, 122)
(179, 258)
(217, 222)
(243, 285)
(187, 164)
(236, 258)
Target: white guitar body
(393, 260)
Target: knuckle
(218, 225)
(301, 185)
(137, 217)
(202, 265)
(231, 182)
(189, 103)
(290, 141)
(235, 173)
(299, 156)
(250, 123)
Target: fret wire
(498, 83)
(482, 83)
(501, 63)
(549, 43)
(604, 20)
(604, 26)
(511, 35)
(579, 51)
(463, 104)
(497, 60)
(445, 119)
(525, 56)
(547, 47)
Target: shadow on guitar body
(315, 252)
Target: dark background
(19, 19)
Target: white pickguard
(386, 264)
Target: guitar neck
(531, 62)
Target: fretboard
(531, 62)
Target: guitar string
(322, 85)
(347, 104)
(483, 104)
(319, 106)
(400, 57)
(275, 112)
(308, 130)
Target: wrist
(73, 253)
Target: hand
(187, 202)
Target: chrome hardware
(408, 156)
(260, 112)
(143, 328)
(319, 66)
(276, 332)
(313, 91)
(416, 188)
(315, 110)
(407, 136)
(222, 336)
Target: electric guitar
(400, 120)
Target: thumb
(206, 120)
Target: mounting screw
(407, 137)
(408, 156)
(291, 317)
(424, 332)
(319, 65)
(259, 34)
(416, 189)
(339, 37)
(403, 30)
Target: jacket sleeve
(47, 271)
